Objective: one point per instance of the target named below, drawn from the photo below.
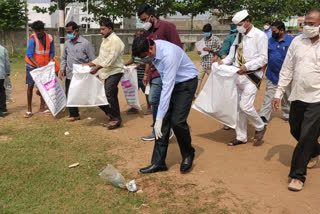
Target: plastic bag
(50, 88)
(129, 83)
(113, 176)
(219, 97)
(85, 89)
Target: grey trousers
(8, 87)
(266, 108)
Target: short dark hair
(267, 22)
(147, 9)
(207, 28)
(247, 18)
(313, 10)
(73, 25)
(140, 45)
(37, 25)
(106, 22)
(279, 24)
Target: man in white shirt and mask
(302, 68)
(249, 53)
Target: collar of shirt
(159, 54)
(109, 37)
(157, 25)
(251, 32)
(286, 40)
(79, 40)
(210, 39)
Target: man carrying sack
(249, 53)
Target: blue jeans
(154, 96)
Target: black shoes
(186, 164)
(154, 168)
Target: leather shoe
(186, 164)
(154, 168)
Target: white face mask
(266, 27)
(146, 26)
(241, 29)
(311, 32)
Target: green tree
(12, 16)
(191, 8)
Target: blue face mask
(207, 34)
(71, 36)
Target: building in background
(73, 12)
(51, 21)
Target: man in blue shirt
(277, 49)
(39, 53)
(179, 84)
(267, 29)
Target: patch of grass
(35, 177)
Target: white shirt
(255, 51)
(302, 67)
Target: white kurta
(255, 53)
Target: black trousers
(304, 122)
(3, 105)
(111, 87)
(73, 111)
(176, 118)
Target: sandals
(28, 114)
(258, 136)
(45, 112)
(236, 142)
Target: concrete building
(51, 21)
(73, 12)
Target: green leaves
(12, 14)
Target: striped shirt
(141, 69)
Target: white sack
(50, 88)
(85, 90)
(219, 97)
(129, 83)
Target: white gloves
(157, 128)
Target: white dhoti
(247, 92)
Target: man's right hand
(220, 62)
(145, 80)
(276, 104)
(199, 52)
(61, 74)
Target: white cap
(239, 16)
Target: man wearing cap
(249, 53)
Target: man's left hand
(243, 70)
(94, 70)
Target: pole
(61, 7)
(27, 24)
(87, 16)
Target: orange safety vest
(41, 55)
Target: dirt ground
(255, 177)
